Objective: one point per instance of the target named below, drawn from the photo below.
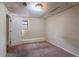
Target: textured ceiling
(49, 8)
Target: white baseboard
(28, 41)
(63, 48)
(33, 40)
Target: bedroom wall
(35, 33)
(2, 30)
(63, 30)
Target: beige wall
(63, 30)
(2, 30)
(36, 30)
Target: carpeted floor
(40, 49)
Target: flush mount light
(39, 6)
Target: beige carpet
(40, 49)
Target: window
(24, 24)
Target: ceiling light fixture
(39, 6)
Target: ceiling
(49, 8)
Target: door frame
(8, 41)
